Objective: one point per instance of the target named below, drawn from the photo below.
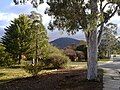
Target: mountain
(64, 42)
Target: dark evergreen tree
(16, 37)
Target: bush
(6, 61)
(33, 69)
(82, 48)
(58, 60)
(71, 54)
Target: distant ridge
(64, 42)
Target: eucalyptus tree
(86, 15)
(108, 41)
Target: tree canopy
(16, 37)
(109, 41)
(24, 36)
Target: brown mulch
(59, 80)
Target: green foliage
(109, 41)
(75, 14)
(39, 39)
(17, 36)
(37, 49)
(33, 69)
(82, 48)
(56, 58)
(5, 59)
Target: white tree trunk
(92, 55)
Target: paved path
(111, 77)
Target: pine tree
(16, 37)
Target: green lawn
(103, 60)
(7, 74)
(77, 64)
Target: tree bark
(92, 56)
(92, 43)
(100, 34)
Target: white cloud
(5, 19)
(7, 16)
(27, 8)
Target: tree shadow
(16, 67)
(2, 74)
(63, 79)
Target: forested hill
(64, 42)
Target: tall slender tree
(39, 39)
(86, 15)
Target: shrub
(71, 54)
(58, 60)
(33, 69)
(5, 60)
(82, 48)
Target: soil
(59, 80)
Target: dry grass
(8, 74)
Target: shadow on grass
(59, 80)
(16, 67)
(2, 74)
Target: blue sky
(9, 11)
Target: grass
(7, 74)
(59, 80)
(103, 60)
(77, 65)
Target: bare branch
(100, 34)
(100, 6)
(105, 6)
(108, 17)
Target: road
(111, 77)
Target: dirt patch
(59, 80)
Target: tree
(77, 14)
(39, 39)
(82, 48)
(74, 15)
(5, 59)
(108, 41)
(117, 47)
(16, 37)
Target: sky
(9, 11)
